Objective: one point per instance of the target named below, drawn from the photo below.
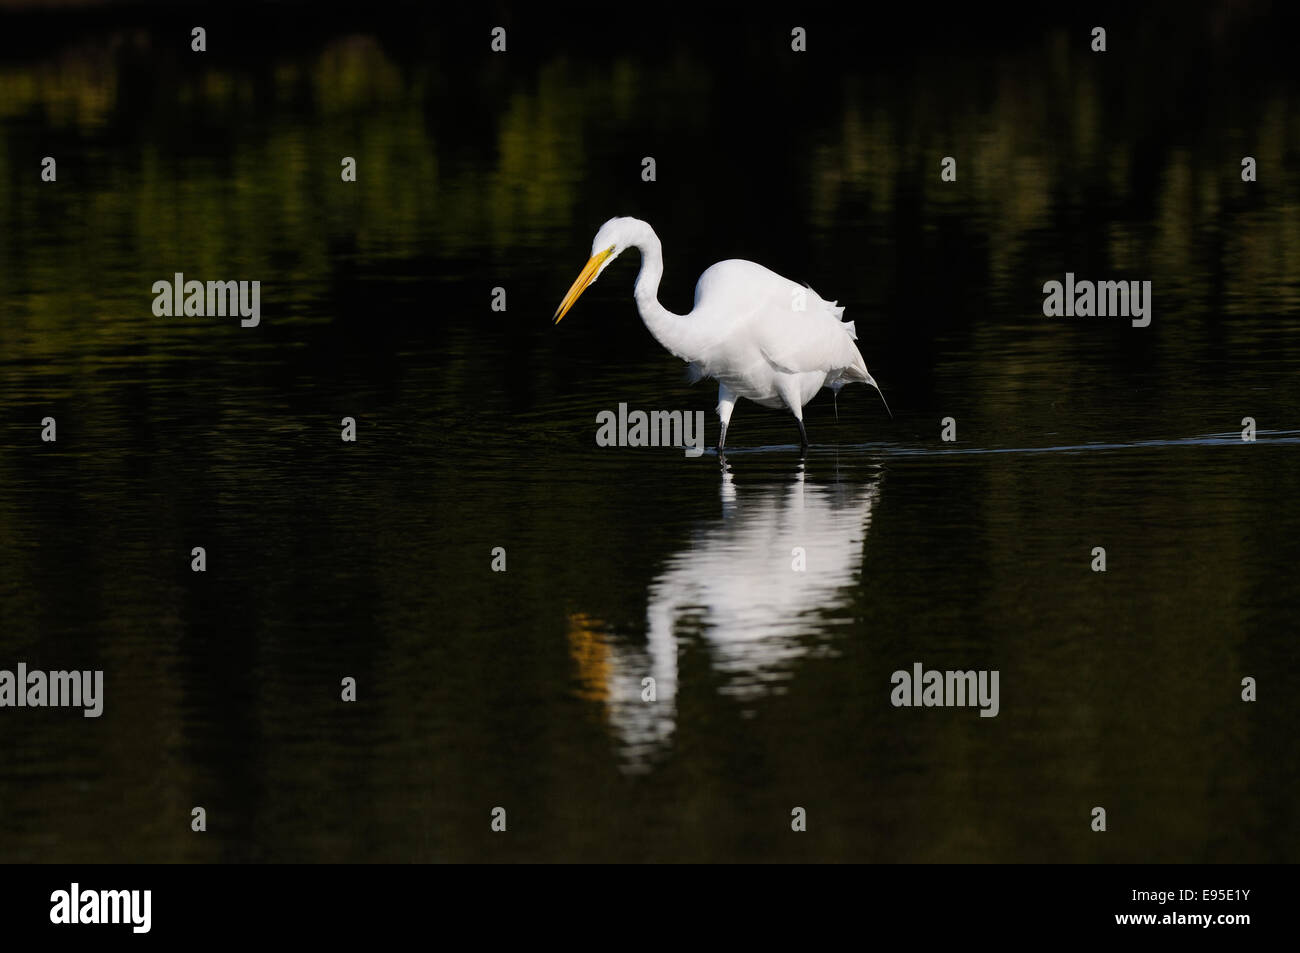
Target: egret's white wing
(756, 316)
(813, 339)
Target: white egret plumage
(759, 335)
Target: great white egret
(760, 336)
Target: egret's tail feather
(872, 382)
(851, 375)
(859, 372)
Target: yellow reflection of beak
(589, 646)
(587, 277)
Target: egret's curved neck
(673, 331)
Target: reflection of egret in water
(734, 586)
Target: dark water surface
(476, 429)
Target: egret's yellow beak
(587, 277)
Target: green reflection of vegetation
(1029, 149)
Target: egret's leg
(726, 404)
(789, 390)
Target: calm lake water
(476, 430)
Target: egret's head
(611, 241)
